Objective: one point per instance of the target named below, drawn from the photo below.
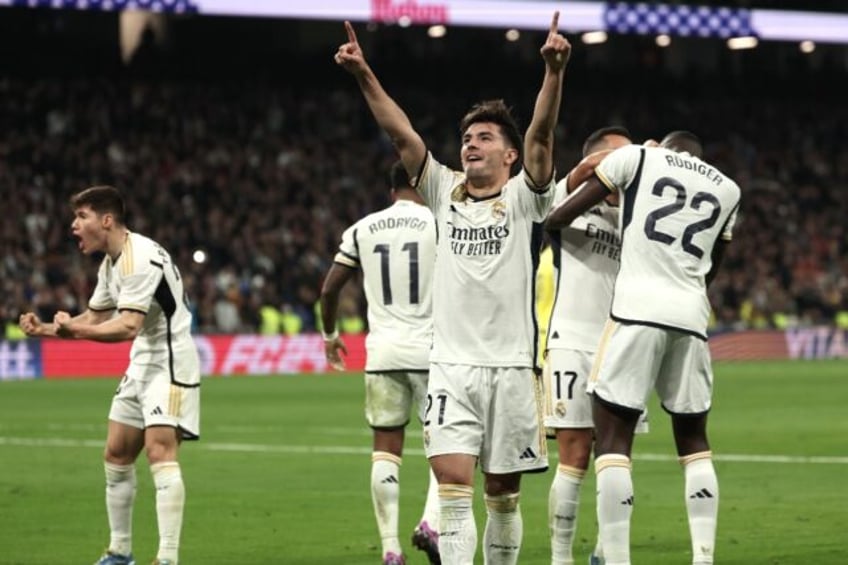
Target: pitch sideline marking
(343, 450)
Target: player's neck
(115, 242)
(483, 192)
(485, 187)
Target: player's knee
(575, 447)
(497, 485)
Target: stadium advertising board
(220, 355)
(20, 360)
(232, 355)
(617, 17)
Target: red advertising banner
(223, 355)
(820, 342)
(220, 355)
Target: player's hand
(556, 49)
(331, 350)
(30, 324)
(62, 320)
(350, 56)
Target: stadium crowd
(251, 184)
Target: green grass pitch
(281, 475)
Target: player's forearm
(586, 196)
(45, 330)
(329, 306)
(90, 316)
(392, 119)
(539, 139)
(112, 331)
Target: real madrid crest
(560, 409)
(499, 209)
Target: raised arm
(389, 115)
(539, 139)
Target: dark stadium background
(240, 137)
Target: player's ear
(107, 220)
(511, 156)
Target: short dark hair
(102, 199)
(682, 140)
(398, 177)
(496, 112)
(596, 137)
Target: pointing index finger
(555, 23)
(351, 35)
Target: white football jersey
(396, 249)
(674, 207)
(488, 251)
(144, 278)
(586, 260)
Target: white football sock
(615, 506)
(385, 494)
(701, 504)
(170, 501)
(563, 501)
(457, 529)
(504, 530)
(120, 495)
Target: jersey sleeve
(561, 190)
(436, 182)
(536, 200)
(348, 253)
(618, 169)
(140, 277)
(101, 299)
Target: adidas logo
(391, 479)
(156, 411)
(627, 501)
(703, 493)
(527, 454)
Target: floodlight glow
(663, 40)
(748, 42)
(807, 46)
(594, 37)
(437, 31)
(199, 256)
(513, 35)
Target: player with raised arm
(139, 297)
(395, 248)
(677, 215)
(484, 395)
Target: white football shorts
(157, 402)
(632, 359)
(389, 397)
(493, 413)
(149, 396)
(568, 404)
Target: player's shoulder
(140, 250)
(626, 154)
